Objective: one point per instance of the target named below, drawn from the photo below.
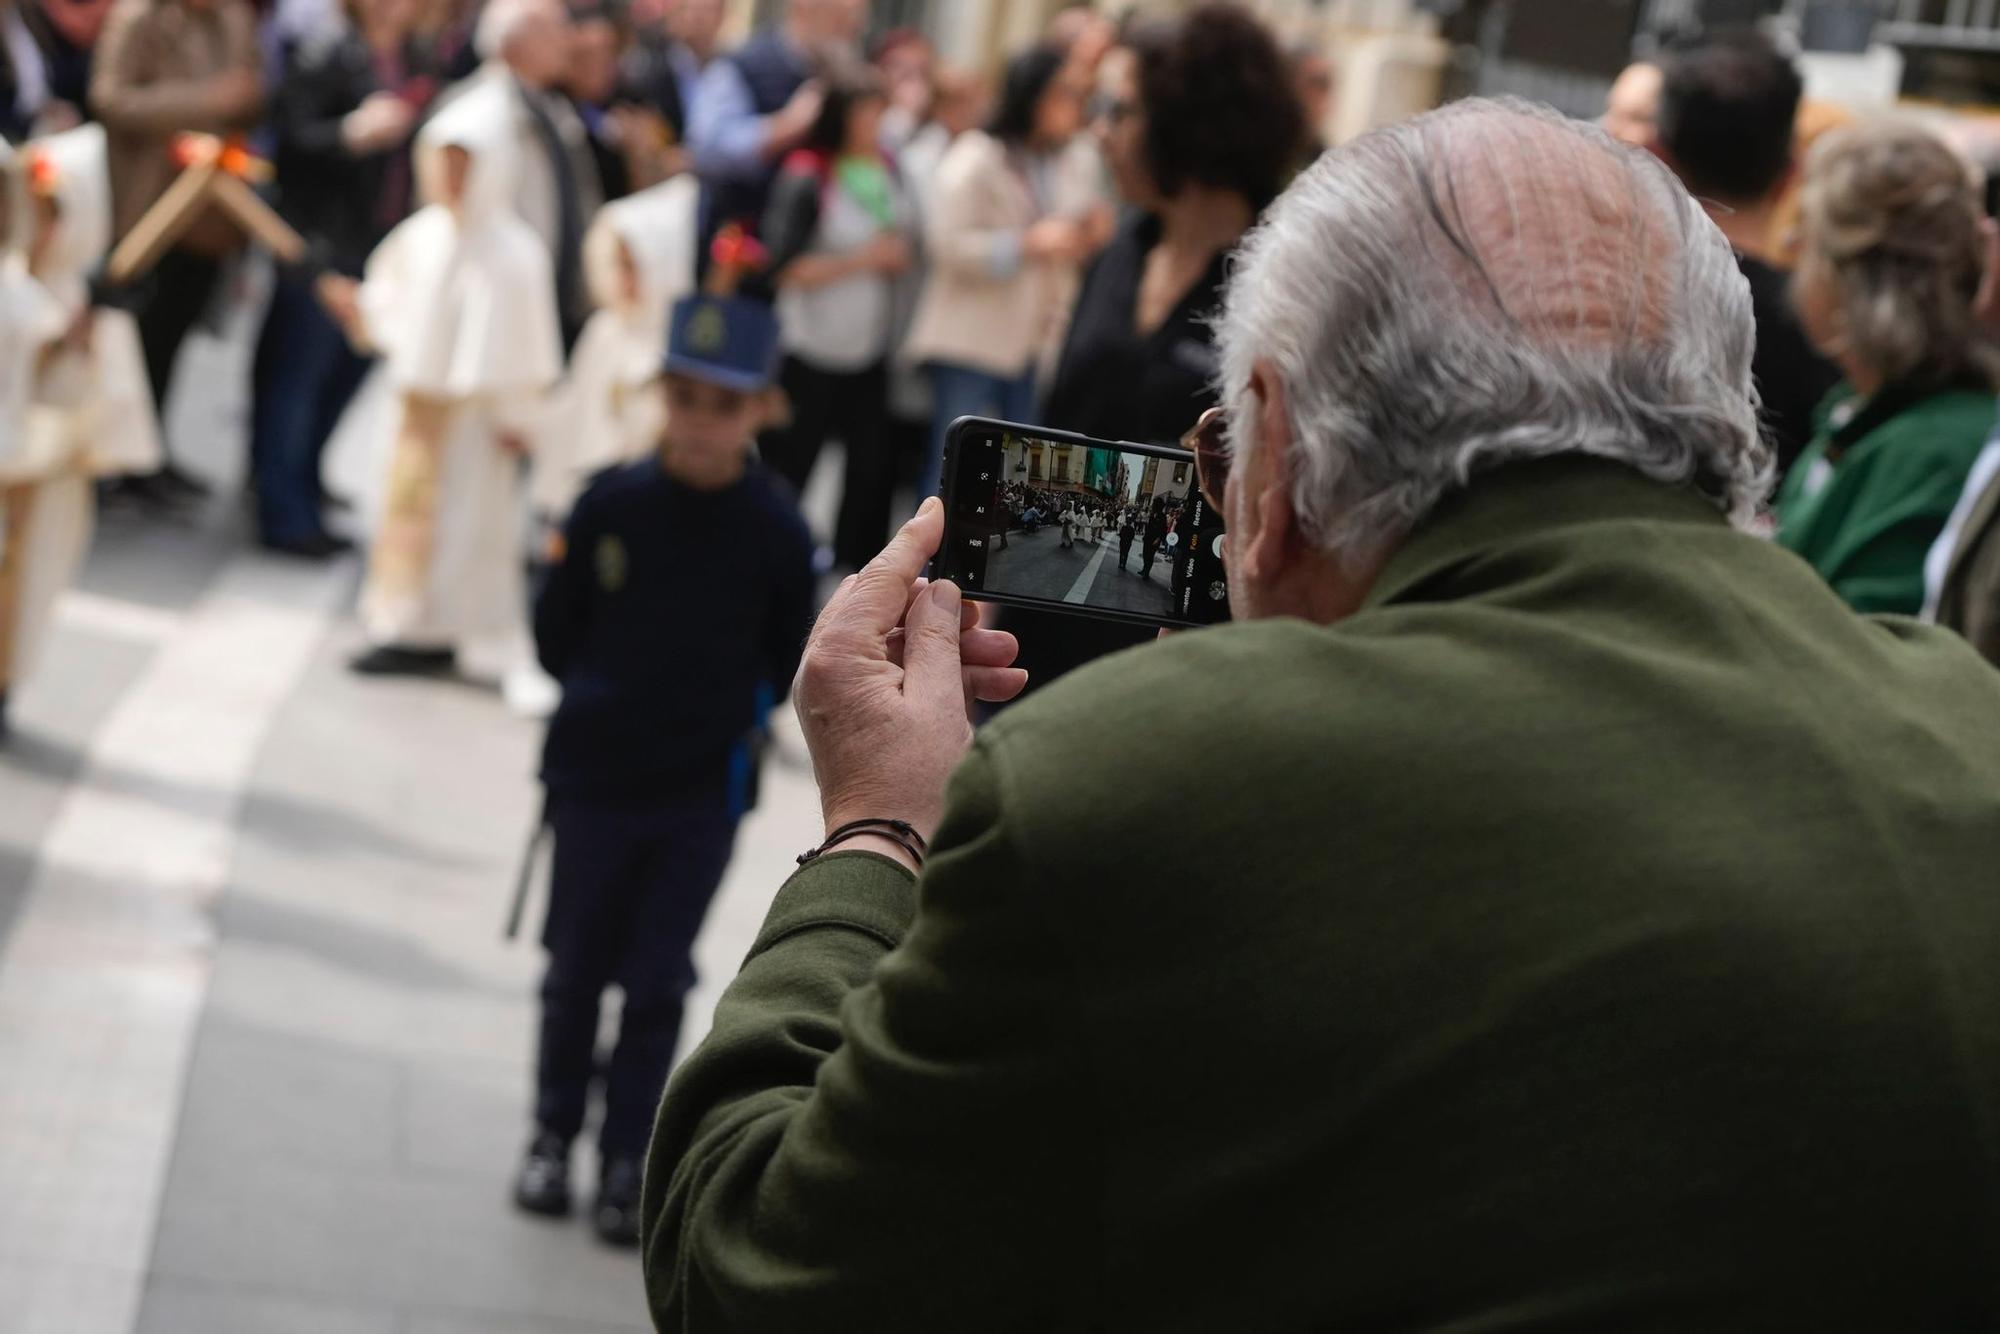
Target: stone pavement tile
(254, 1097)
(175, 1307)
(438, 1244)
(467, 1118)
(40, 1297)
(466, 1322)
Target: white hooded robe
(460, 302)
(608, 410)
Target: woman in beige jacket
(1014, 212)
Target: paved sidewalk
(313, 1128)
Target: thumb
(930, 646)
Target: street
(268, 1055)
(1038, 565)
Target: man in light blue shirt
(753, 106)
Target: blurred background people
(341, 123)
(908, 66)
(458, 300)
(961, 101)
(163, 68)
(526, 45)
(1006, 230)
(45, 55)
(839, 229)
(1200, 129)
(673, 45)
(1312, 82)
(1632, 108)
(1962, 572)
(758, 103)
(1726, 108)
(1893, 253)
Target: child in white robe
(638, 258)
(460, 302)
(76, 408)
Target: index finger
(880, 593)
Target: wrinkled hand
(888, 682)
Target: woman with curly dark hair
(1200, 129)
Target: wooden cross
(214, 172)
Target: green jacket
(1596, 932)
(1867, 521)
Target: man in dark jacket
(342, 118)
(756, 104)
(1547, 908)
(1727, 106)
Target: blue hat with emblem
(727, 340)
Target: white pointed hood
(462, 301)
(79, 165)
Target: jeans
(964, 392)
(303, 377)
(630, 887)
(853, 407)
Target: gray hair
(1893, 221)
(1486, 283)
(499, 21)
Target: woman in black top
(1200, 128)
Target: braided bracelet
(900, 832)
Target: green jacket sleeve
(890, 1113)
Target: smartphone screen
(1095, 527)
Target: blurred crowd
(1043, 243)
(1040, 243)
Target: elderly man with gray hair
(1549, 908)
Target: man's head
(822, 23)
(1727, 103)
(531, 37)
(1482, 284)
(697, 25)
(1632, 109)
(596, 43)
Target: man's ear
(1271, 544)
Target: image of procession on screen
(1099, 527)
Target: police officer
(679, 605)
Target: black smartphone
(1104, 528)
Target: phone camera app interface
(1089, 527)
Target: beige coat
(155, 76)
(980, 308)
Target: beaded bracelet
(900, 832)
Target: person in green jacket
(1892, 258)
(1548, 908)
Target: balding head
(1485, 283)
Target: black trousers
(170, 303)
(628, 894)
(852, 406)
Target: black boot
(542, 1186)
(394, 660)
(616, 1217)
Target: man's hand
(340, 297)
(886, 688)
(888, 253)
(786, 127)
(380, 123)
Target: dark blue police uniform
(674, 618)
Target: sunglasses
(1208, 440)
